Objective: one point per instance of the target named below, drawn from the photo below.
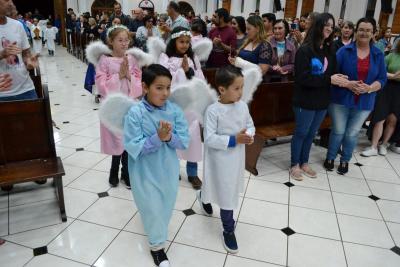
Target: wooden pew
(271, 110)
(27, 148)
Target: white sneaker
(368, 152)
(382, 149)
(164, 264)
(395, 148)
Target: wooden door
(227, 5)
(60, 9)
(307, 7)
(396, 19)
(291, 8)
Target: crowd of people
(347, 70)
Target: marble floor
(331, 221)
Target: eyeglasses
(365, 31)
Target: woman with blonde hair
(256, 49)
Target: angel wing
(113, 110)
(195, 95)
(202, 48)
(143, 58)
(95, 50)
(155, 46)
(252, 78)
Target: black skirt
(387, 102)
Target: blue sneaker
(229, 241)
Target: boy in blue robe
(153, 130)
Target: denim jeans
(227, 220)
(25, 96)
(346, 125)
(191, 168)
(307, 125)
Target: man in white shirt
(15, 57)
(175, 19)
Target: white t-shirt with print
(11, 32)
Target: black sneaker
(160, 258)
(195, 181)
(343, 168)
(41, 181)
(229, 241)
(329, 165)
(206, 208)
(126, 181)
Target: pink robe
(107, 81)
(194, 153)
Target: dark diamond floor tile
(40, 251)
(288, 231)
(65, 122)
(396, 250)
(103, 194)
(288, 184)
(374, 198)
(358, 164)
(189, 212)
(79, 149)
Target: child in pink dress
(117, 72)
(183, 64)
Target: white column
(72, 4)
(299, 6)
(335, 7)
(249, 7)
(377, 12)
(266, 6)
(391, 16)
(319, 5)
(280, 14)
(355, 9)
(235, 7)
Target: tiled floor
(351, 220)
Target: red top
(218, 57)
(362, 71)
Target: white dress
(49, 37)
(224, 167)
(36, 33)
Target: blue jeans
(307, 125)
(346, 124)
(227, 220)
(191, 168)
(25, 96)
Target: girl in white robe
(228, 127)
(36, 33)
(50, 36)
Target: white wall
(299, 5)
(391, 16)
(335, 7)
(355, 10)
(319, 5)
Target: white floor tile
(103, 165)
(314, 222)
(185, 198)
(126, 250)
(233, 261)
(75, 141)
(268, 191)
(82, 242)
(34, 215)
(264, 213)
(119, 212)
(253, 244)
(71, 173)
(385, 190)
(64, 152)
(3, 199)
(321, 182)
(91, 131)
(31, 192)
(308, 251)
(135, 225)
(365, 231)
(365, 256)
(349, 185)
(356, 205)
(390, 210)
(12, 255)
(380, 174)
(48, 260)
(77, 201)
(183, 256)
(394, 229)
(84, 159)
(379, 161)
(94, 147)
(39, 237)
(93, 181)
(279, 177)
(3, 222)
(121, 191)
(311, 198)
(201, 231)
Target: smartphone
(294, 26)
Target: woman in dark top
(239, 25)
(314, 70)
(256, 48)
(347, 35)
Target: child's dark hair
(225, 76)
(49, 23)
(199, 26)
(153, 71)
(171, 46)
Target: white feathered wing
(95, 50)
(113, 110)
(252, 76)
(203, 48)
